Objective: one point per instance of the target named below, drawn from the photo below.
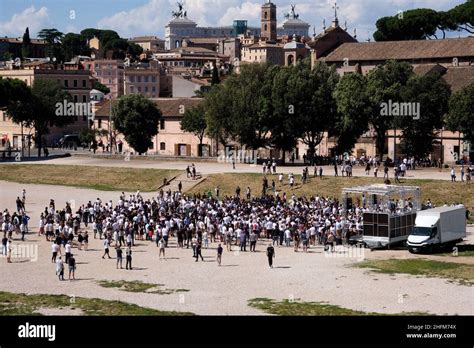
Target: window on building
(131, 79)
(153, 88)
(84, 99)
(66, 83)
(139, 89)
(110, 81)
(146, 89)
(153, 79)
(132, 89)
(162, 124)
(162, 146)
(145, 78)
(75, 98)
(139, 79)
(75, 83)
(84, 83)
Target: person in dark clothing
(119, 256)
(219, 254)
(198, 252)
(129, 258)
(72, 267)
(270, 255)
(243, 242)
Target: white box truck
(436, 228)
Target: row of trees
(268, 106)
(425, 23)
(64, 47)
(34, 107)
(271, 106)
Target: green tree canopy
(218, 111)
(354, 111)
(74, 45)
(285, 129)
(53, 37)
(431, 93)
(312, 92)
(26, 48)
(13, 91)
(422, 23)
(461, 113)
(38, 110)
(384, 85)
(194, 121)
(101, 87)
(215, 76)
(137, 118)
(415, 24)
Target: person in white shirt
(60, 268)
(162, 247)
(67, 250)
(287, 237)
(106, 248)
(55, 249)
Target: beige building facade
(78, 83)
(170, 140)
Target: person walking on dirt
(270, 255)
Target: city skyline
(149, 17)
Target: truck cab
(424, 235)
(437, 228)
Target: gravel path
(226, 289)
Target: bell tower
(269, 21)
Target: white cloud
(248, 10)
(148, 19)
(29, 17)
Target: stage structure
(389, 212)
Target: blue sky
(149, 17)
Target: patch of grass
(465, 253)
(296, 308)
(23, 304)
(439, 191)
(97, 178)
(138, 286)
(459, 272)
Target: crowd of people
(193, 222)
(196, 221)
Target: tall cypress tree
(215, 76)
(26, 48)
